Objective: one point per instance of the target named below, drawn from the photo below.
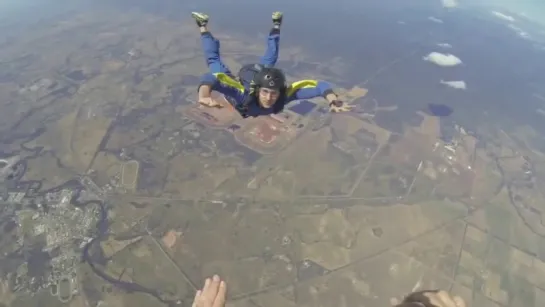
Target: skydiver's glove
(432, 298)
(339, 106)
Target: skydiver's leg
(270, 57)
(211, 49)
(210, 45)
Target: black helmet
(272, 78)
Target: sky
(532, 9)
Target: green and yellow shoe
(200, 18)
(277, 18)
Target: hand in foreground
(339, 106)
(212, 294)
(437, 298)
(209, 102)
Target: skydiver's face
(268, 97)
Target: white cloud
(524, 35)
(519, 31)
(434, 19)
(441, 59)
(444, 45)
(513, 27)
(449, 3)
(503, 16)
(460, 85)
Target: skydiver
(258, 89)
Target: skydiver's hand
(209, 102)
(427, 298)
(339, 106)
(212, 294)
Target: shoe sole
(277, 17)
(200, 17)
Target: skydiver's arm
(222, 84)
(205, 91)
(208, 81)
(308, 89)
(330, 97)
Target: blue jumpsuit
(222, 80)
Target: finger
(209, 101)
(440, 299)
(459, 301)
(431, 299)
(220, 297)
(446, 299)
(434, 300)
(394, 301)
(213, 104)
(211, 291)
(205, 289)
(197, 297)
